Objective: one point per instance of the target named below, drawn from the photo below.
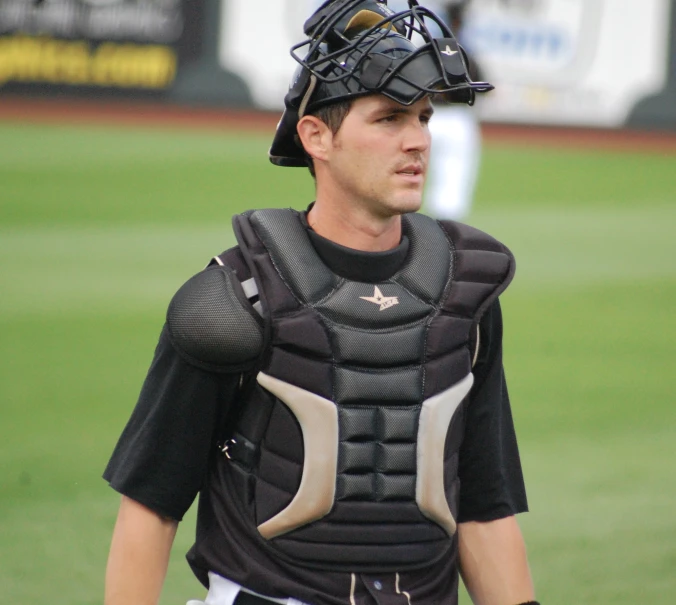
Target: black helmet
(360, 47)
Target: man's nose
(417, 137)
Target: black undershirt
(356, 265)
(162, 456)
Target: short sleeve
(162, 456)
(491, 477)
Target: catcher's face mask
(360, 47)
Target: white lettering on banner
(158, 21)
(144, 22)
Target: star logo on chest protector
(385, 302)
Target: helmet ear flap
(284, 150)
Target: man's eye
(390, 118)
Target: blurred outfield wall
(600, 63)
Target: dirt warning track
(35, 110)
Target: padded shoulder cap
(212, 324)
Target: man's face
(378, 158)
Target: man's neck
(355, 228)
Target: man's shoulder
(213, 320)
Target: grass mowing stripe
(94, 270)
(30, 148)
(593, 361)
(585, 245)
(91, 269)
(182, 191)
(569, 178)
(59, 174)
(600, 528)
(47, 533)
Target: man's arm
(139, 555)
(493, 562)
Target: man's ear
(315, 136)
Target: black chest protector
(345, 455)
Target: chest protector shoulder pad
(212, 323)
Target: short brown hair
(332, 115)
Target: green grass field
(99, 226)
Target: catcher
(333, 386)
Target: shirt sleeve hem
(154, 506)
(501, 512)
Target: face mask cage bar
(331, 56)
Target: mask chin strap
(306, 97)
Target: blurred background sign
(600, 63)
(570, 61)
(255, 41)
(103, 47)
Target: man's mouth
(410, 171)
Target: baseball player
(332, 387)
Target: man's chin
(410, 203)
(400, 203)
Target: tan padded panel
(318, 419)
(364, 20)
(435, 419)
